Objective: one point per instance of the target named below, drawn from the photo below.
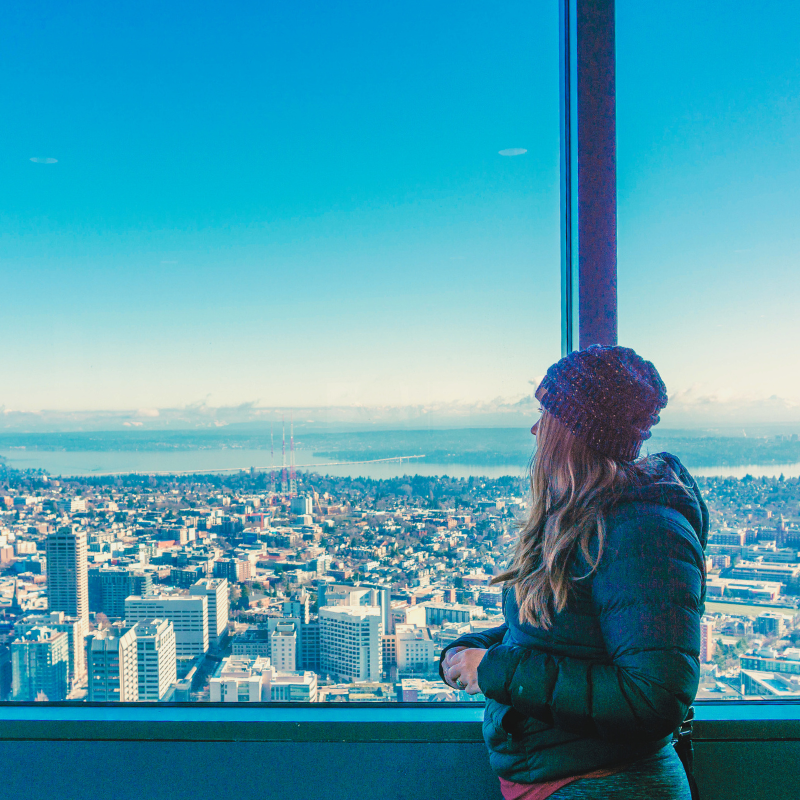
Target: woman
(598, 660)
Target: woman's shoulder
(650, 530)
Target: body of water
(94, 463)
(86, 463)
(83, 463)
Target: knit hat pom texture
(609, 397)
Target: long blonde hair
(573, 487)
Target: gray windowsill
(367, 722)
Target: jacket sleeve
(483, 639)
(646, 593)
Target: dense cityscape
(268, 587)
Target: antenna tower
(272, 455)
(292, 475)
(284, 484)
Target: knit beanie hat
(609, 397)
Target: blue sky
(304, 204)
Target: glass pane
(709, 163)
(294, 240)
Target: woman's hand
(460, 668)
(448, 658)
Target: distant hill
(469, 446)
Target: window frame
(589, 316)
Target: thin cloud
(40, 160)
(513, 151)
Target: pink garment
(540, 791)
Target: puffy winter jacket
(618, 669)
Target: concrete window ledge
(284, 751)
(357, 722)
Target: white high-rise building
(350, 642)
(112, 665)
(187, 613)
(216, 589)
(68, 573)
(40, 665)
(155, 647)
(76, 630)
(283, 647)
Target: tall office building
(298, 606)
(350, 639)
(112, 665)
(309, 646)
(283, 647)
(216, 590)
(6, 673)
(110, 586)
(302, 505)
(40, 665)
(155, 647)
(67, 573)
(187, 613)
(362, 594)
(76, 630)
(381, 596)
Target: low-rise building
(253, 642)
(415, 650)
(438, 613)
(241, 679)
(786, 574)
(738, 589)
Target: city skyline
(239, 588)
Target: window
(334, 223)
(707, 174)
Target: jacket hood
(659, 487)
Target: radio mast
(284, 484)
(272, 455)
(292, 475)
